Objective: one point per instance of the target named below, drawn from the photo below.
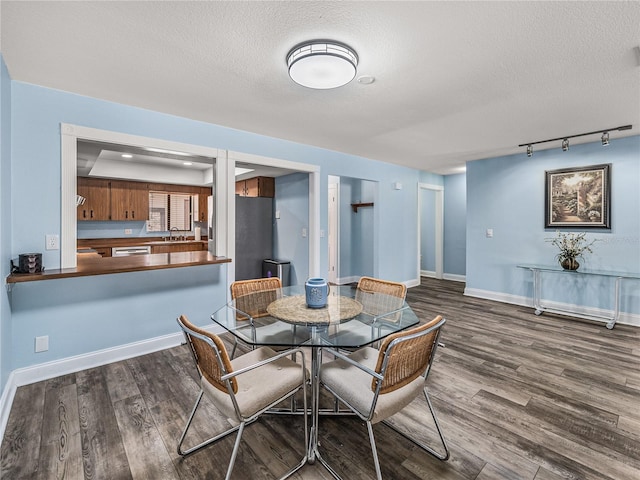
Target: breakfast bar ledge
(90, 265)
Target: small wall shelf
(356, 206)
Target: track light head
(605, 139)
(565, 144)
(529, 151)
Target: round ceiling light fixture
(322, 64)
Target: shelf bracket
(356, 206)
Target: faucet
(171, 233)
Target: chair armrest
(344, 357)
(285, 353)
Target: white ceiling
(455, 81)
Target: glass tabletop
(581, 270)
(280, 318)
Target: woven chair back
(407, 359)
(253, 296)
(377, 305)
(206, 357)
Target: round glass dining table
(280, 318)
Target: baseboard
(576, 310)
(347, 280)
(412, 283)
(454, 278)
(445, 276)
(44, 371)
(6, 401)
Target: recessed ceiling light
(127, 155)
(366, 79)
(187, 163)
(322, 64)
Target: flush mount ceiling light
(322, 64)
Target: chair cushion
(354, 386)
(257, 388)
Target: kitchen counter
(90, 264)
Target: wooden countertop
(89, 265)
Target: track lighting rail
(619, 129)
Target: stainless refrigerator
(254, 235)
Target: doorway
(430, 230)
(352, 227)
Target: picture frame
(578, 197)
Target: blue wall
(507, 195)
(292, 201)
(455, 224)
(5, 219)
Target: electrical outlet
(52, 242)
(489, 233)
(128, 231)
(42, 343)
(304, 233)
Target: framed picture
(578, 197)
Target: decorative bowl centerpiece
(572, 246)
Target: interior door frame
(313, 171)
(439, 227)
(333, 220)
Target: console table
(537, 271)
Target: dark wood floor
(518, 397)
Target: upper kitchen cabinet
(256, 187)
(97, 204)
(203, 205)
(129, 200)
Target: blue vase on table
(316, 292)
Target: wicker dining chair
(377, 310)
(244, 388)
(376, 384)
(252, 297)
(381, 305)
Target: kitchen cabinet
(256, 187)
(129, 200)
(171, 247)
(97, 204)
(203, 204)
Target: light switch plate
(489, 232)
(42, 343)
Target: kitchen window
(171, 211)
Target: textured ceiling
(455, 81)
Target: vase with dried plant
(572, 246)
